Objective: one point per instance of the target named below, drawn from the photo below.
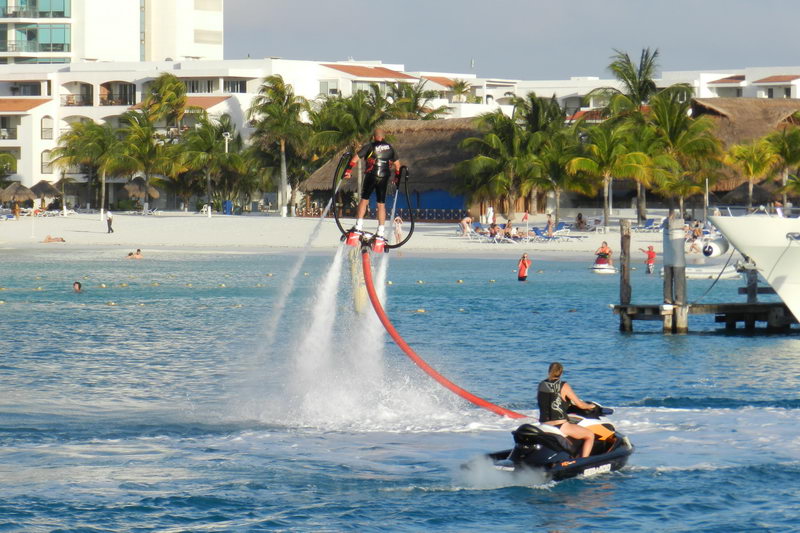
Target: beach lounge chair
(648, 225)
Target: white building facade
(67, 31)
(39, 101)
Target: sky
(518, 39)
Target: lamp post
(226, 136)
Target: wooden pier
(674, 315)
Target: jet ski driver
(381, 159)
(554, 397)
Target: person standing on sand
(381, 161)
(398, 229)
(109, 221)
(651, 258)
(522, 268)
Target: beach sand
(190, 232)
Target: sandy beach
(190, 232)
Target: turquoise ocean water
(195, 392)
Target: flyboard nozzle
(353, 238)
(378, 245)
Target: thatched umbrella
(45, 188)
(136, 189)
(761, 195)
(16, 192)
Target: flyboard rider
(382, 164)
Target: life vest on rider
(551, 405)
(378, 154)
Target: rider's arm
(566, 389)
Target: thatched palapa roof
(741, 120)
(429, 148)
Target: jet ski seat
(528, 434)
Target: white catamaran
(773, 244)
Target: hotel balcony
(33, 47)
(74, 100)
(117, 99)
(19, 13)
(8, 134)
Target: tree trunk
(284, 181)
(749, 194)
(641, 202)
(784, 181)
(102, 195)
(208, 192)
(146, 197)
(606, 206)
(558, 206)
(680, 208)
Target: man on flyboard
(382, 164)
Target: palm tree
(94, 145)
(605, 157)
(143, 151)
(755, 160)
(505, 159)
(414, 102)
(276, 114)
(690, 142)
(166, 99)
(786, 143)
(461, 90)
(644, 138)
(203, 150)
(8, 165)
(553, 158)
(538, 114)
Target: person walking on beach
(651, 258)
(522, 267)
(381, 160)
(554, 397)
(109, 221)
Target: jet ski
(603, 266)
(543, 447)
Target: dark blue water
(159, 403)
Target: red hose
(376, 303)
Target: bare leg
(581, 433)
(381, 214)
(362, 208)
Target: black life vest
(551, 406)
(378, 155)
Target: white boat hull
(603, 269)
(764, 240)
(710, 272)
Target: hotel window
(54, 38)
(47, 127)
(235, 86)
(739, 92)
(787, 92)
(329, 87)
(770, 93)
(199, 86)
(47, 162)
(54, 8)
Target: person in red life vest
(651, 258)
(604, 252)
(382, 164)
(522, 267)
